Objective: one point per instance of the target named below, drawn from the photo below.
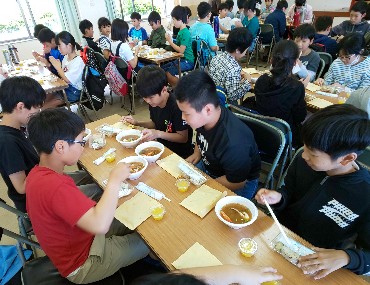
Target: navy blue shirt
(278, 20)
(57, 55)
(330, 44)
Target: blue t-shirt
(57, 55)
(205, 32)
(139, 34)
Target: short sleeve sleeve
(12, 160)
(144, 34)
(125, 52)
(74, 71)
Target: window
(124, 8)
(19, 24)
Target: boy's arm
(236, 86)
(196, 156)
(18, 180)
(179, 49)
(145, 124)
(152, 134)
(337, 30)
(231, 185)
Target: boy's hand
(319, 82)
(305, 81)
(119, 173)
(238, 24)
(168, 37)
(35, 54)
(55, 62)
(246, 76)
(129, 119)
(150, 134)
(323, 262)
(256, 276)
(271, 196)
(44, 61)
(194, 158)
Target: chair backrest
(326, 57)
(101, 60)
(364, 158)
(267, 35)
(270, 142)
(320, 68)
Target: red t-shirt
(54, 205)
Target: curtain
(111, 9)
(69, 16)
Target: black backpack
(94, 86)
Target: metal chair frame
(103, 64)
(320, 69)
(264, 29)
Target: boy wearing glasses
(157, 38)
(80, 236)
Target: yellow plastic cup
(342, 100)
(111, 157)
(274, 282)
(247, 247)
(158, 212)
(182, 184)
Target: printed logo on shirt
(203, 147)
(168, 125)
(339, 213)
(184, 123)
(65, 69)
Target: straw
(277, 222)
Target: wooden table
(180, 229)
(158, 61)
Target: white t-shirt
(73, 70)
(125, 51)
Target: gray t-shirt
(310, 64)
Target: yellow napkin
(313, 87)
(170, 164)
(202, 200)
(136, 210)
(196, 256)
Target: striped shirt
(226, 73)
(354, 77)
(105, 42)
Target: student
(304, 11)
(356, 22)
(225, 147)
(326, 195)
(225, 70)
(212, 275)
(137, 33)
(157, 38)
(240, 13)
(79, 235)
(119, 41)
(188, 15)
(230, 6)
(47, 38)
(360, 99)
(105, 43)
(224, 20)
(323, 27)
(203, 30)
(183, 45)
(250, 21)
(20, 98)
(166, 123)
(37, 29)
(351, 68)
(87, 30)
(280, 94)
(278, 20)
(268, 9)
(71, 67)
(309, 60)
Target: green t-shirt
(184, 39)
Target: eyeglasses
(348, 57)
(82, 143)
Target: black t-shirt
(169, 119)
(229, 149)
(17, 154)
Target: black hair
(119, 30)
(45, 35)
(67, 38)
(168, 279)
(150, 80)
(323, 22)
(37, 29)
(252, 5)
(103, 22)
(51, 125)
(337, 130)
(21, 89)
(85, 25)
(281, 4)
(135, 15)
(230, 4)
(353, 43)
(240, 4)
(300, 2)
(188, 11)
(239, 39)
(223, 6)
(203, 9)
(304, 31)
(284, 57)
(179, 13)
(359, 6)
(198, 89)
(154, 17)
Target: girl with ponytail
(281, 95)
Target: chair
(123, 69)
(267, 38)
(364, 158)
(103, 64)
(270, 141)
(280, 124)
(328, 59)
(254, 49)
(320, 69)
(202, 53)
(296, 154)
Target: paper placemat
(202, 200)
(251, 70)
(122, 126)
(319, 103)
(170, 164)
(196, 256)
(136, 210)
(313, 87)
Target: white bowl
(131, 159)
(236, 200)
(128, 133)
(144, 145)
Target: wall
(329, 5)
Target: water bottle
(216, 26)
(296, 19)
(13, 54)
(6, 54)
